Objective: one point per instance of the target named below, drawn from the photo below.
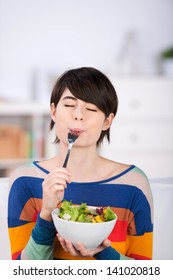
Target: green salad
(82, 213)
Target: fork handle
(66, 158)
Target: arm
(139, 237)
(32, 235)
(41, 242)
(24, 221)
(20, 217)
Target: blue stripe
(36, 163)
(16, 222)
(22, 190)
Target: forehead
(67, 93)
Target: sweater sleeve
(24, 223)
(41, 242)
(138, 241)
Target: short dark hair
(89, 85)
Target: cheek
(98, 124)
(60, 127)
(96, 129)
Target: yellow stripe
(19, 236)
(141, 245)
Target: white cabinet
(33, 119)
(142, 132)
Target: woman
(83, 102)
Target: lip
(76, 131)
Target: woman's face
(72, 114)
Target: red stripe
(15, 255)
(138, 257)
(34, 218)
(119, 232)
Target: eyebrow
(69, 97)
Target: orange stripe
(19, 236)
(32, 206)
(140, 245)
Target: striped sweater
(128, 194)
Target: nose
(78, 114)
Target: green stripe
(36, 251)
(122, 257)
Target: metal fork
(71, 139)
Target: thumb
(106, 243)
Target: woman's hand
(80, 250)
(53, 190)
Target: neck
(82, 161)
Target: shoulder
(137, 177)
(141, 181)
(112, 168)
(127, 174)
(25, 170)
(132, 175)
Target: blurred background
(129, 40)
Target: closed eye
(69, 105)
(92, 110)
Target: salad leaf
(109, 214)
(82, 213)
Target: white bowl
(90, 234)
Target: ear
(53, 111)
(108, 121)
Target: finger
(60, 170)
(106, 243)
(57, 176)
(71, 249)
(57, 188)
(58, 181)
(55, 181)
(84, 251)
(62, 242)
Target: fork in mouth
(72, 136)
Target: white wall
(53, 35)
